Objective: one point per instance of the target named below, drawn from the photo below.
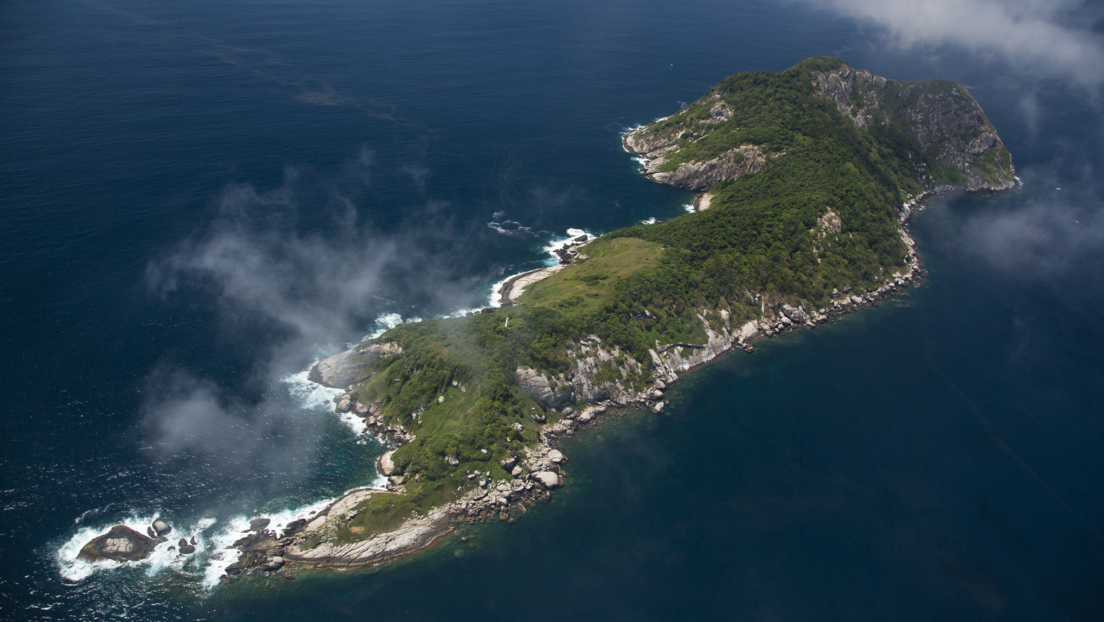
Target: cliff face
(951, 140)
(946, 121)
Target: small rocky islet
(805, 181)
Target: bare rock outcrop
(351, 366)
(539, 386)
(702, 176)
(121, 544)
(942, 116)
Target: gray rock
(658, 407)
(549, 479)
(120, 544)
(508, 463)
(160, 527)
(517, 471)
(274, 563)
(556, 456)
(344, 406)
(384, 464)
(187, 549)
(344, 369)
(258, 524)
(533, 382)
(452, 461)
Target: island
(804, 180)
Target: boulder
(160, 527)
(658, 407)
(508, 463)
(452, 461)
(258, 524)
(121, 544)
(549, 479)
(384, 464)
(274, 563)
(517, 471)
(344, 369)
(344, 406)
(556, 456)
(361, 409)
(187, 549)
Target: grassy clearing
(579, 288)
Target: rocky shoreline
(538, 470)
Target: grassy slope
(648, 283)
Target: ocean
(199, 200)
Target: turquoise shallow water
(199, 200)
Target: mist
(1041, 38)
(291, 274)
(1050, 233)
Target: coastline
(597, 377)
(542, 464)
(515, 285)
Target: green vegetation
(761, 242)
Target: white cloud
(1046, 38)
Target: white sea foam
(553, 259)
(689, 207)
(627, 130)
(310, 395)
(558, 243)
(648, 221)
(388, 321)
(641, 161)
(163, 556)
(496, 292)
(223, 553)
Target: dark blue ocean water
(199, 199)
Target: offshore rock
(121, 544)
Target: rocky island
(805, 180)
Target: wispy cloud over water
(285, 276)
(1043, 38)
